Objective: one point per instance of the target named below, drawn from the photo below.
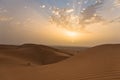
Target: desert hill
(30, 54)
(97, 63)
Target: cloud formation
(68, 18)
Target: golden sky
(27, 22)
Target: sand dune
(31, 54)
(97, 63)
(71, 50)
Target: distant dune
(71, 50)
(30, 54)
(96, 63)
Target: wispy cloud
(5, 18)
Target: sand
(97, 63)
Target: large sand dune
(29, 54)
(97, 63)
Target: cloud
(5, 18)
(69, 19)
(4, 15)
(90, 13)
(117, 3)
(2, 11)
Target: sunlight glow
(71, 33)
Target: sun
(71, 34)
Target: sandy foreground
(97, 63)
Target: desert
(96, 63)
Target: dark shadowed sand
(96, 63)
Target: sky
(55, 22)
